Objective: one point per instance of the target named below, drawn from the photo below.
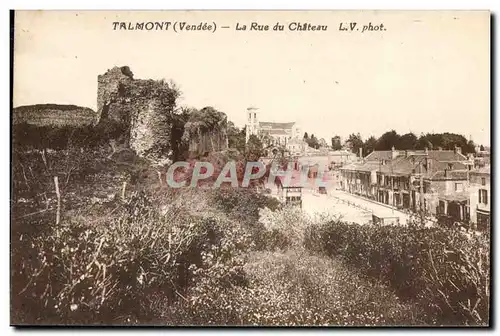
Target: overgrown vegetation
(446, 273)
(224, 256)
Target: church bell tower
(252, 122)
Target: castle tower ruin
(141, 109)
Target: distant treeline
(408, 141)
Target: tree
(470, 148)
(306, 136)
(312, 142)
(266, 139)
(481, 148)
(236, 137)
(254, 149)
(407, 141)
(369, 145)
(354, 142)
(388, 140)
(447, 141)
(336, 143)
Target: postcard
(251, 168)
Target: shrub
(284, 228)
(243, 203)
(85, 272)
(214, 280)
(446, 272)
(286, 289)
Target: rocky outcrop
(143, 109)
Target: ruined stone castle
(144, 111)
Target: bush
(286, 289)
(446, 272)
(214, 280)
(284, 228)
(89, 272)
(244, 204)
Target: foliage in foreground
(187, 256)
(101, 271)
(291, 289)
(446, 272)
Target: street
(350, 208)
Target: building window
(459, 187)
(483, 181)
(255, 115)
(483, 196)
(250, 116)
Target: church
(280, 133)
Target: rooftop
(415, 163)
(439, 155)
(450, 175)
(482, 170)
(276, 124)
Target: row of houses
(442, 183)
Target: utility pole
(421, 187)
(379, 173)
(392, 185)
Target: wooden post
(58, 210)
(44, 159)
(159, 176)
(123, 189)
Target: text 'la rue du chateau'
(181, 26)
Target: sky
(427, 72)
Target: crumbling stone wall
(206, 131)
(143, 112)
(142, 109)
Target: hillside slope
(53, 115)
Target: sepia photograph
(250, 168)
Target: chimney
(394, 153)
(360, 152)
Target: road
(375, 208)
(350, 208)
(314, 203)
